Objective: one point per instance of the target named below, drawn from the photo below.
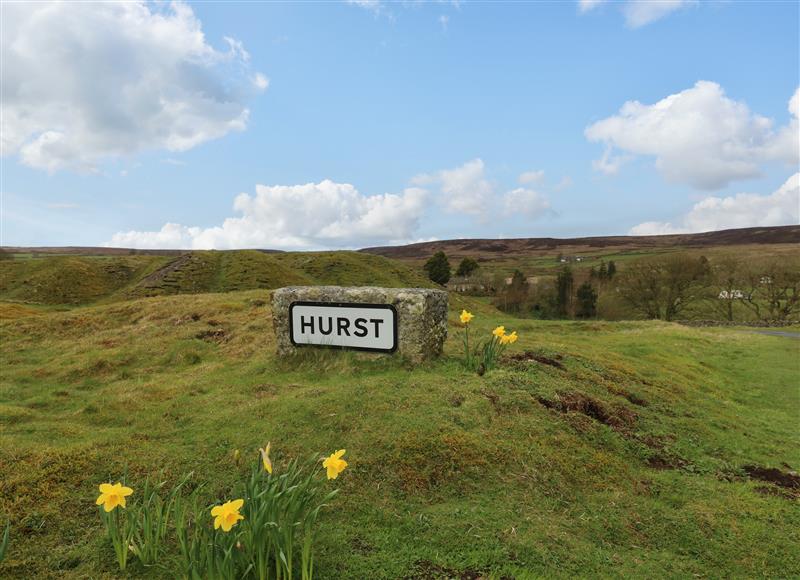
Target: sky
(323, 125)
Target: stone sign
(409, 321)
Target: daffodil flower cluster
(487, 353)
(257, 534)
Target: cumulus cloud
(527, 202)
(698, 137)
(314, 215)
(529, 177)
(464, 189)
(86, 82)
(639, 12)
(782, 207)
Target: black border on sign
(344, 305)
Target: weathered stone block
(421, 315)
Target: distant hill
(539, 246)
(69, 279)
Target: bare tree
(771, 290)
(662, 288)
(726, 285)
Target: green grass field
(71, 280)
(611, 449)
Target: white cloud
(173, 161)
(85, 82)
(374, 6)
(529, 177)
(782, 207)
(464, 189)
(260, 81)
(587, 5)
(609, 163)
(314, 215)
(698, 137)
(565, 183)
(639, 12)
(527, 202)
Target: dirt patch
(218, 335)
(361, 546)
(265, 391)
(456, 400)
(494, 398)
(631, 397)
(666, 461)
(530, 356)
(619, 418)
(772, 491)
(787, 479)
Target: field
(617, 449)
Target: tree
(564, 283)
(514, 296)
(663, 288)
(602, 273)
(772, 290)
(586, 301)
(612, 269)
(726, 285)
(438, 268)
(467, 267)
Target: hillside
(83, 279)
(552, 246)
(612, 449)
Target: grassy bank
(601, 448)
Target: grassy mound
(70, 279)
(77, 280)
(641, 449)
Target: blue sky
(326, 125)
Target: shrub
(438, 268)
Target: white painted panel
(345, 325)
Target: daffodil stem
(467, 353)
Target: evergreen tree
(612, 269)
(587, 301)
(603, 273)
(438, 268)
(564, 283)
(466, 267)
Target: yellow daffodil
(335, 464)
(265, 458)
(466, 317)
(112, 496)
(505, 339)
(227, 514)
(512, 338)
(236, 455)
(499, 331)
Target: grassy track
(627, 461)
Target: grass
(628, 461)
(74, 280)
